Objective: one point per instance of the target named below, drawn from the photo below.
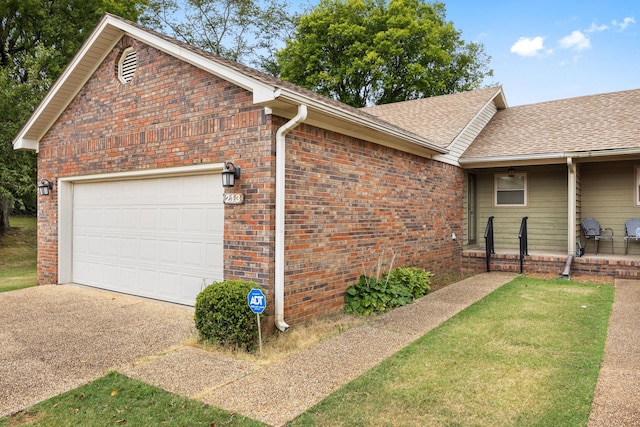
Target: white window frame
(496, 178)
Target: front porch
(552, 262)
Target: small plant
(416, 280)
(223, 316)
(399, 287)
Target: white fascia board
(371, 123)
(546, 158)
(25, 144)
(532, 159)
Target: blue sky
(547, 50)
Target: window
(127, 65)
(510, 191)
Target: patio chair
(631, 231)
(592, 231)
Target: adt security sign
(257, 301)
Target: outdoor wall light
(230, 173)
(511, 172)
(45, 187)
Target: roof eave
(352, 123)
(548, 158)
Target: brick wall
(348, 201)
(171, 114)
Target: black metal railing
(524, 242)
(488, 242)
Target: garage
(157, 237)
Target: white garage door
(160, 238)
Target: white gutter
(544, 158)
(280, 197)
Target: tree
(369, 52)
(246, 31)
(37, 40)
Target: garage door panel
(148, 250)
(169, 252)
(129, 248)
(160, 238)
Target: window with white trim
(510, 190)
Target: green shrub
(416, 280)
(223, 316)
(399, 287)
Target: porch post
(571, 215)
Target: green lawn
(116, 400)
(18, 254)
(526, 355)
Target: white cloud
(527, 46)
(576, 41)
(597, 28)
(624, 24)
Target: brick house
(139, 127)
(134, 135)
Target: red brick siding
(171, 114)
(347, 200)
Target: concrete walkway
(617, 396)
(284, 390)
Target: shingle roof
(597, 122)
(440, 118)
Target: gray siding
(608, 194)
(546, 209)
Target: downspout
(280, 198)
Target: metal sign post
(257, 303)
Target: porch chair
(592, 231)
(631, 231)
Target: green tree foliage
(246, 31)
(369, 52)
(37, 40)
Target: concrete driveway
(55, 338)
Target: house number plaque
(233, 199)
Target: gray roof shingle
(598, 122)
(439, 118)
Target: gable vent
(127, 65)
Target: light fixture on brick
(230, 173)
(45, 187)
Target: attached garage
(153, 236)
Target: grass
(526, 355)
(18, 254)
(118, 400)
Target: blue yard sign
(257, 301)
